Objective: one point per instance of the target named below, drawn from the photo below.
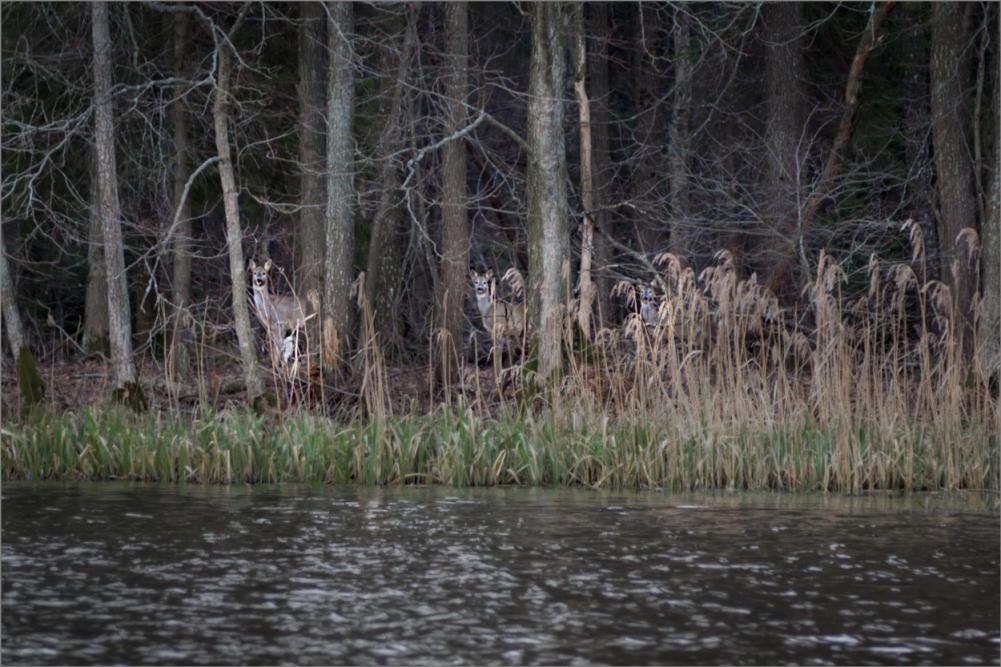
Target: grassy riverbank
(462, 448)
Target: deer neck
(483, 303)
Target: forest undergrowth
(883, 390)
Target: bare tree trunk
(646, 189)
(587, 288)
(678, 135)
(95, 314)
(384, 277)
(953, 167)
(548, 219)
(602, 154)
(784, 139)
(234, 236)
(29, 382)
(455, 225)
(181, 281)
(990, 257)
(120, 329)
(338, 275)
(311, 147)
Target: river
(146, 574)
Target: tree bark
(678, 135)
(181, 281)
(990, 253)
(384, 277)
(11, 316)
(646, 189)
(95, 318)
(785, 71)
(953, 167)
(586, 292)
(548, 218)
(786, 269)
(455, 224)
(234, 235)
(338, 275)
(602, 154)
(120, 329)
(312, 198)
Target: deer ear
(253, 264)
(267, 265)
(489, 275)
(473, 275)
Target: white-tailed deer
(282, 316)
(649, 305)
(500, 318)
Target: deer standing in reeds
(501, 319)
(649, 305)
(282, 316)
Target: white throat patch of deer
(282, 315)
(501, 319)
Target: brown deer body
(282, 316)
(500, 318)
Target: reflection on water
(125, 574)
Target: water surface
(109, 573)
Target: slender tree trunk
(234, 236)
(990, 254)
(182, 240)
(11, 316)
(29, 382)
(602, 154)
(338, 275)
(682, 235)
(95, 317)
(311, 147)
(647, 180)
(455, 225)
(548, 218)
(120, 329)
(785, 72)
(953, 167)
(384, 279)
(587, 288)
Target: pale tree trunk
(586, 292)
(455, 225)
(181, 281)
(338, 275)
(953, 167)
(548, 218)
(234, 236)
(785, 150)
(95, 313)
(311, 148)
(384, 279)
(11, 316)
(601, 147)
(682, 236)
(120, 329)
(29, 382)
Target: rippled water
(139, 574)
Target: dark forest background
(399, 140)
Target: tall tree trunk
(917, 125)
(455, 225)
(548, 218)
(990, 243)
(338, 275)
(311, 147)
(95, 313)
(120, 329)
(602, 154)
(647, 181)
(785, 72)
(586, 293)
(953, 167)
(182, 240)
(234, 236)
(682, 235)
(384, 279)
